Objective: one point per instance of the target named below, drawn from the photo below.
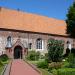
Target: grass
(44, 71)
(1, 69)
(35, 62)
(2, 65)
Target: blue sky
(51, 8)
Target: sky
(50, 8)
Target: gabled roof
(13, 19)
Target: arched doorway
(18, 52)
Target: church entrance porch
(18, 52)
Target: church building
(21, 31)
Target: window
(9, 38)
(9, 45)
(30, 45)
(39, 43)
(68, 44)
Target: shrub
(66, 71)
(55, 50)
(46, 57)
(73, 51)
(65, 64)
(42, 57)
(67, 53)
(71, 60)
(1, 64)
(4, 58)
(54, 71)
(42, 64)
(33, 55)
(55, 65)
(37, 55)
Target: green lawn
(43, 71)
(35, 62)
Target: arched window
(9, 38)
(9, 45)
(39, 43)
(30, 45)
(69, 45)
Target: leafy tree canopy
(71, 20)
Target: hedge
(66, 71)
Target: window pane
(30, 45)
(39, 44)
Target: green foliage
(45, 71)
(55, 65)
(54, 71)
(4, 58)
(73, 51)
(42, 56)
(71, 20)
(67, 53)
(63, 71)
(71, 60)
(1, 64)
(42, 64)
(65, 64)
(37, 56)
(46, 57)
(55, 50)
(66, 71)
(33, 55)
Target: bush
(46, 57)
(71, 60)
(73, 51)
(37, 55)
(54, 71)
(42, 64)
(67, 53)
(42, 57)
(4, 58)
(1, 64)
(55, 65)
(33, 55)
(66, 71)
(55, 50)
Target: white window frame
(39, 44)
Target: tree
(71, 21)
(55, 50)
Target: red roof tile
(12, 19)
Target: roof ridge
(24, 12)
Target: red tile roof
(13, 19)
